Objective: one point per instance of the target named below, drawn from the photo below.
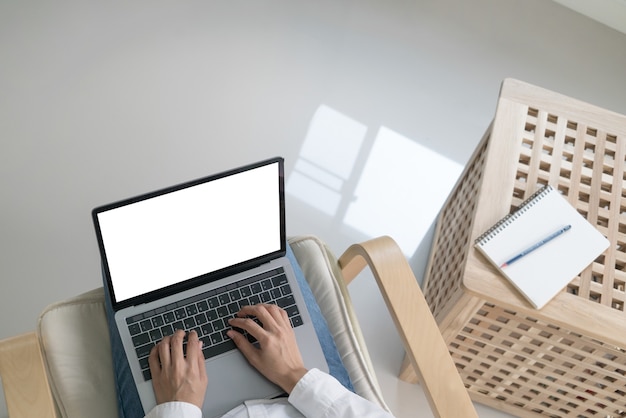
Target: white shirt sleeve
(317, 395)
(175, 410)
(320, 395)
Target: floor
(375, 105)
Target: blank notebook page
(544, 272)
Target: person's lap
(128, 398)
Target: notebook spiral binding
(508, 219)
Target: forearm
(320, 395)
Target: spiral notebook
(542, 246)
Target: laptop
(188, 257)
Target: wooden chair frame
(28, 392)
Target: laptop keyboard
(208, 315)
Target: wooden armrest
(24, 378)
(416, 325)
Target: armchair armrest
(416, 325)
(24, 378)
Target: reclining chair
(64, 369)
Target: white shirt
(317, 394)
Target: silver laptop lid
(173, 239)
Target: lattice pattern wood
(453, 236)
(587, 166)
(512, 357)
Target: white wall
(100, 100)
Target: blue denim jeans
(128, 401)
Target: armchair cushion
(321, 269)
(75, 339)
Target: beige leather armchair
(64, 369)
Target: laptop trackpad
(232, 380)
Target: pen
(537, 245)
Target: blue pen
(537, 245)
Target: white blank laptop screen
(164, 240)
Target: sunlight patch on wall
(401, 190)
(378, 184)
(326, 159)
